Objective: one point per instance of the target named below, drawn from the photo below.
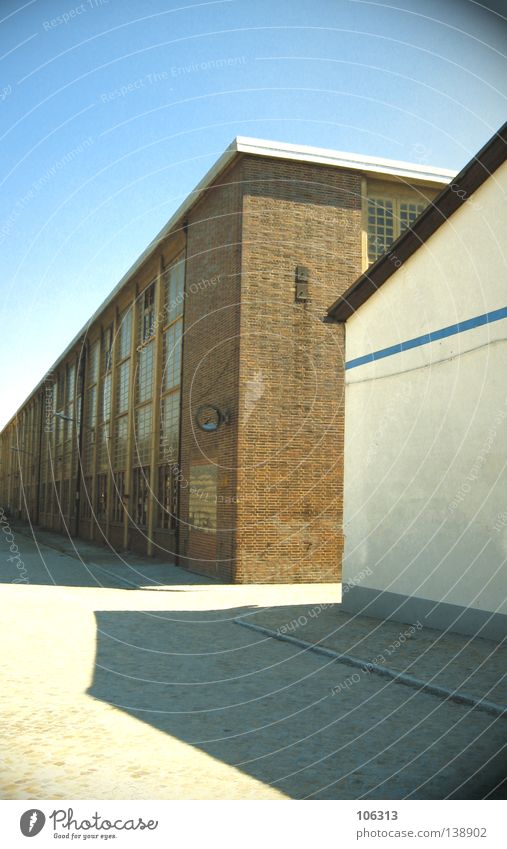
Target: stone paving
(149, 689)
(476, 667)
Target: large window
(65, 498)
(169, 427)
(59, 430)
(145, 373)
(172, 357)
(118, 496)
(140, 492)
(142, 435)
(121, 443)
(85, 506)
(106, 397)
(144, 379)
(61, 391)
(147, 314)
(122, 387)
(168, 472)
(56, 497)
(104, 459)
(101, 497)
(408, 212)
(68, 424)
(107, 349)
(387, 219)
(89, 430)
(125, 334)
(71, 383)
(49, 497)
(167, 496)
(93, 363)
(121, 423)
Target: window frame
(398, 194)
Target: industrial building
(425, 503)
(198, 416)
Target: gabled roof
(277, 150)
(243, 145)
(473, 175)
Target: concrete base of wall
(409, 609)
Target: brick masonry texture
(210, 368)
(273, 363)
(290, 453)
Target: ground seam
(384, 671)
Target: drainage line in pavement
(399, 677)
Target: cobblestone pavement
(149, 689)
(476, 667)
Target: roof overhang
(370, 165)
(451, 198)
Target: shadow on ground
(292, 719)
(67, 562)
(266, 708)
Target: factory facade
(199, 415)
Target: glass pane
(408, 214)
(71, 382)
(122, 391)
(142, 435)
(140, 495)
(121, 433)
(172, 357)
(125, 334)
(93, 363)
(104, 459)
(106, 398)
(380, 227)
(169, 428)
(147, 313)
(145, 373)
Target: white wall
(426, 429)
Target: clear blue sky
(89, 175)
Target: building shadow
(40, 558)
(266, 708)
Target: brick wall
(210, 368)
(290, 445)
(273, 363)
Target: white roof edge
(256, 147)
(189, 201)
(339, 159)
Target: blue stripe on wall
(469, 324)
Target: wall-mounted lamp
(302, 276)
